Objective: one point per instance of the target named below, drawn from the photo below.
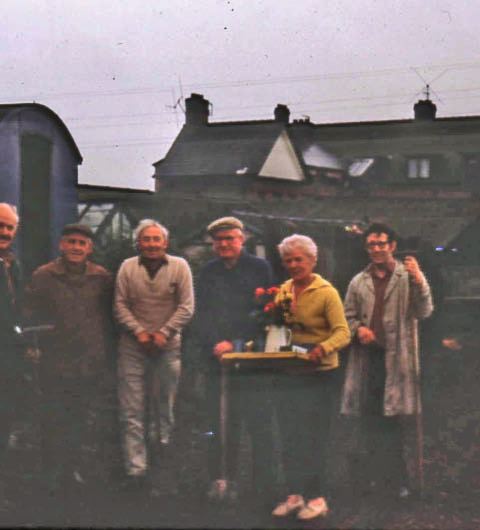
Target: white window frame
(419, 168)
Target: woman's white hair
(147, 223)
(298, 241)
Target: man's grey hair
(298, 241)
(146, 223)
(12, 208)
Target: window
(419, 168)
(360, 166)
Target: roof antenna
(177, 103)
(426, 91)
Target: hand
(222, 347)
(33, 354)
(451, 343)
(316, 354)
(143, 337)
(413, 269)
(159, 339)
(145, 340)
(365, 335)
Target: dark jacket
(10, 293)
(226, 297)
(79, 306)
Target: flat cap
(77, 228)
(224, 223)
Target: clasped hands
(151, 342)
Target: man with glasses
(383, 305)
(225, 295)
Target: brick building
(422, 175)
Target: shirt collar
(8, 258)
(59, 267)
(145, 263)
(389, 268)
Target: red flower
(259, 291)
(269, 307)
(273, 290)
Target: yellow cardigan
(318, 318)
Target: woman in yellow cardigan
(304, 402)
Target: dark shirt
(380, 286)
(152, 266)
(225, 299)
(9, 302)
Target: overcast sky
(113, 70)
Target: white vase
(277, 337)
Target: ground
(450, 500)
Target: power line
(242, 108)
(120, 144)
(252, 82)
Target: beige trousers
(145, 384)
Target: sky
(117, 72)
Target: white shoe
(314, 508)
(78, 477)
(292, 504)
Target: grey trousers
(145, 382)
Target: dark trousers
(7, 417)
(75, 414)
(304, 407)
(12, 391)
(383, 462)
(249, 404)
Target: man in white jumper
(153, 302)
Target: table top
(267, 360)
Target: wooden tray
(270, 360)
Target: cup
(238, 345)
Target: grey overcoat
(405, 303)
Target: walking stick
(223, 487)
(419, 414)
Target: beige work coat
(405, 303)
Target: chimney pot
(197, 110)
(282, 113)
(425, 109)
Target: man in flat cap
(75, 374)
(225, 294)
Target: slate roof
(7, 110)
(220, 149)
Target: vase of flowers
(273, 315)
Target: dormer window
(419, 168)
(360, 166)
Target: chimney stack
(196, 110)
(425, 110)
(282, 113)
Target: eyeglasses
(379, 244)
